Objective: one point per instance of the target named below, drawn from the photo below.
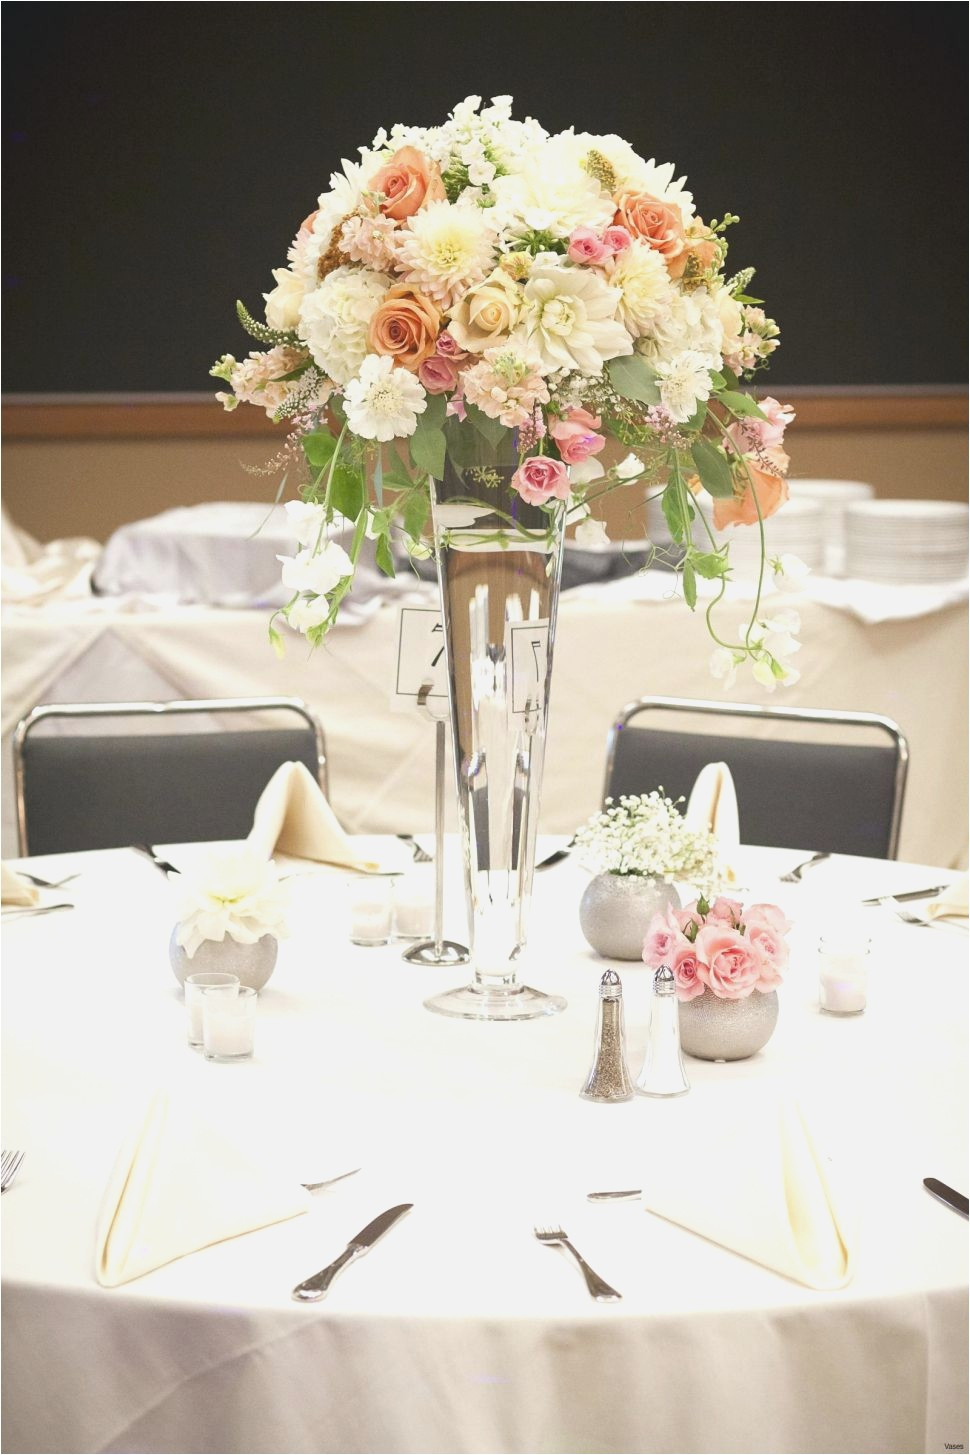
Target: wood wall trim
(174, 416)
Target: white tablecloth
(608, 651)
(459, 1332)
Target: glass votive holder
(414, 905)
(843, 972)
(196, 988)
(371, 907)
(229, 1025)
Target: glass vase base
(448, 952)
(520, 1003)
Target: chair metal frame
(154, 709)
(775, 714)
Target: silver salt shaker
(663, 1068)
(609, 1079)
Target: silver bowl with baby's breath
(636, 848)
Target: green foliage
(633, 378)
(678, 513)
(740, 404)
(713, 468)
(712, 565)
(415, 514)
(347, 491)
(261, 332)
(690, 585)
(318, 448)
(385, 560)
(491, 430)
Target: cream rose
(283, 302)
(487, 314)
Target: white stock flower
(445, 248)
(383, 403)
(317, 572)
(334, 319)
(790, 572)
(629, 468)
(307, 612)
(283, 301)
(234, 892)
(591, 533)
(568, 319)
(646, 292)
(685, 382)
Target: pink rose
(449, 347)
(439, 375)
(660, 942)
(753, 434)
(576, 437)
(586, 247)
(686, 970)
(772, 954)
(659, 223)
(726, 962)
(617, 239)
(539, 479)
(725, 911)
(767, 914)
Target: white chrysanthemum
(553, 195)
(685, 382)
(335, 317)
(646, 292)
(383, 403)
(691, 322)
(445, 248)
(568, 319)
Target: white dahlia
(692, 322)
(646, 292)
(553, 196)
(445, 248)
(335, 317)
(685, 382)
(383, 403)
(568, 319)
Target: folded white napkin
(953, 901)
(14, 889)
(713, 805)
(293, 817)
(739, 1166)
(180, 1184)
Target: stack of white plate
(798, 529)
(907, 542)
(833, 496)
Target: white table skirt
(608, 651)
(460, 1333)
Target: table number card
(420, 658)
(527, 647)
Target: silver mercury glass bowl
(713, 1029)
(616, 909)
(253, 964)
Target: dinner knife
(910, 894)
(946, 1194)
(613, 1196)
(316, 1286)
(162, 864)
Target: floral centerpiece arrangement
(484, 285)
(721, 949)
(232, 911)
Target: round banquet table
(460, 1332)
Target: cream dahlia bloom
(646, 292)
(685, 382)
(568, 319)
(692, 322)
(335, 317)
(554, 196)
(383, 403)
(444, 249)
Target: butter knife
(613, 1196)
(910, 894)
(946, 1194)
(316, 1286)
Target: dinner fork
(9, 1167)
(328, 1182)
(421, 856)
(598, 1287)
(47, 883)
(794, 875)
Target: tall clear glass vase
(499, 568)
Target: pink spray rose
(439, 374)
(771, 952)
(585, 246)
(539, 479)
(725, 911)
(576, 436)
(726, 962)
(661, 941)
(449, 347)
(767, 914)
(617, 239)
(685, 969)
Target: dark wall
(159, 158)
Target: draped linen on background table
(459, 1332)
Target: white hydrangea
(646, 292)
(568, 319)
(335, 317)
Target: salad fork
(9, 1167)
(421, 856)
(598, 1287)
(329, 1181)
(47, 883)
(794, 875)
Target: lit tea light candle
(843, 965)
(371, 908)
(229, 1025)
(414, 907)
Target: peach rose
(487, 314)
(408, 181)
(726, 962)
(698, 255)
(659, 223)
(771, 491)
(405, 326)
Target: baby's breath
(647, 834)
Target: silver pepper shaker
(609, 1079)
(663, 1068)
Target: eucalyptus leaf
(633, 378)
(713, 468)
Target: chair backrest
(104, 789)
(842, 797)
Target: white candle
(370, 910)
(842, 968)
(229, 1025)
(414, 907)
